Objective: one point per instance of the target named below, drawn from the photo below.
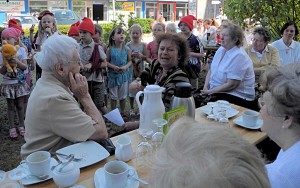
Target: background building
(170, 10)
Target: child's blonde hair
(41, 30)
(160, 24)
(136, 26)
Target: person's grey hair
(263, 32)
(194, 155)
(56, 49)
(284, 85)
(171, 27)
(235, 32)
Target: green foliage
(271, 14)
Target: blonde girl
(139, 53)
(118, 63)
(14, 87)
(152, 46)
(47, 27)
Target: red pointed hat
(47, 12)
(74, 29)
(87, 25)
(189, 20)
(13, 23)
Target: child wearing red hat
(186, 26)
(93, 59)
(74, 32)
(47, 27)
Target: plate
(229, 112)
(239, 121)
(31, 179)
(100, 180)
(90, 151)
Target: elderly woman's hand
(78, 85)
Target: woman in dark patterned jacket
(167, 70)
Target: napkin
(115, 117)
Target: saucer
(239, 121)
(31, 179)
(99, 179)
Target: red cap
(189, 20)
(44, 14)
(13, 23)
(87, 25)
(74, 29)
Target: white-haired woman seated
(195, 156)
(280, 111)
(54, 118)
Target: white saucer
(230, 112)
(31, 179)
(239, 121)
(100, 180)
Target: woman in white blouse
(280, 111)
(288, 48)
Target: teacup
(250, 118)
(38, 163)
(116, 174)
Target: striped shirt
(174, 75)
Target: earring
(283, 127)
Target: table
(87, 174)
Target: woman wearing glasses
(280, 111)
(262, 54)
(231, 75)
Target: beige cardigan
(270, 58)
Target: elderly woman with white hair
(280, 111)
(54, 118)
(195, 155)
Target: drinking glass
(157, 137)
(222, 111)
(211, 114)
(144, 148)
(18, 174)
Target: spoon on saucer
(131, 175)
(43, 177)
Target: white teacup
(116, 174)
(38, 163)
(250, 118)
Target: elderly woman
(280, 111)
(167, 70)
(231, 76)
(262, 54)
(54, 118)
(194, 156)
(288, 48)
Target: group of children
(109, 69)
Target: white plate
(90, 151)
(31, 179)
(239, 121)
(230, 112)
(100, 180)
